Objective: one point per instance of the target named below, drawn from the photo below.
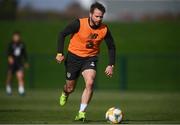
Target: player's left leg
(20, 77)
(89, 76)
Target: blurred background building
(121, 10)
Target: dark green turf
(41, 106)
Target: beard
(96, 24)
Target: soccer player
(17, 59)
(86, 37)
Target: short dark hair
(98, 6)
(17, 33)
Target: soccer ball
(114, 115)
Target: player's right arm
(59, 57)
(10, 54)
(70, 29)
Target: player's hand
(59, 57)
(10, 60)
(109, 70)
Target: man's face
(16, 38)
(96, 17)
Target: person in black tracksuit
(17, 60)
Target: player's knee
(89, 84)
(69, 88)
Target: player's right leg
(68, 88)
(8, 82)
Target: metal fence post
(123, 72)
(31, 71)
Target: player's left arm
(111, 52)
(25, 56)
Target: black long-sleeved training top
(18, 52)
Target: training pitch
(42, 107)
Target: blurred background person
(17, 60)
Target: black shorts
(75, 65)
(15, 67)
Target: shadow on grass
(143, 121)
(13, 110)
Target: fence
(132, 72)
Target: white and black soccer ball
(114, 115)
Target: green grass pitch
(41, 106)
